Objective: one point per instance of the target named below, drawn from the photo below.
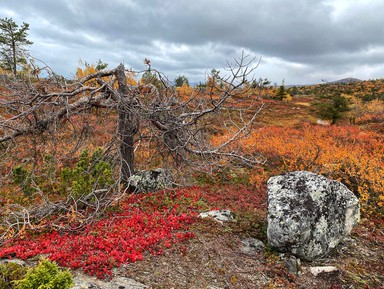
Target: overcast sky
(301, 41)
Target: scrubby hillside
(157, 238)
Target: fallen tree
(146, 116)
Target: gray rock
(16, 261)
(87, 282)
(293, 265)
(218, 215)
(308, 214)
(251, 246)
(151, 181)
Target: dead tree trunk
(126, 130)
(128, 124)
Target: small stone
(16, 261)
(324, 270)
(218, 215)
(251, 246)
(293, 265)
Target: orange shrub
(345, 153)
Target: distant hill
(346, 80)
(340, 81)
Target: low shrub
(90, 173)
(9, 273)
(46, 275)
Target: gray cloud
(301, 41)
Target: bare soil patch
(213, 259)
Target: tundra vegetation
(69, 147)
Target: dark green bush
(333, 108)
(90, 173)
(23, 178)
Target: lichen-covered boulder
(150, 181)
(308, 214)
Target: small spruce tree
(12, 40)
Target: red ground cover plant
(142, 223)
(237, 198)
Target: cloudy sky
(301, 41)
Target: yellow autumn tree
(185, 91)
(89, 69)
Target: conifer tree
(12, 41)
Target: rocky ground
(217, 258)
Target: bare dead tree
(179, 124)
(146, 115)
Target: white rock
(218, 215)
(322, 269)
(323, 122)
